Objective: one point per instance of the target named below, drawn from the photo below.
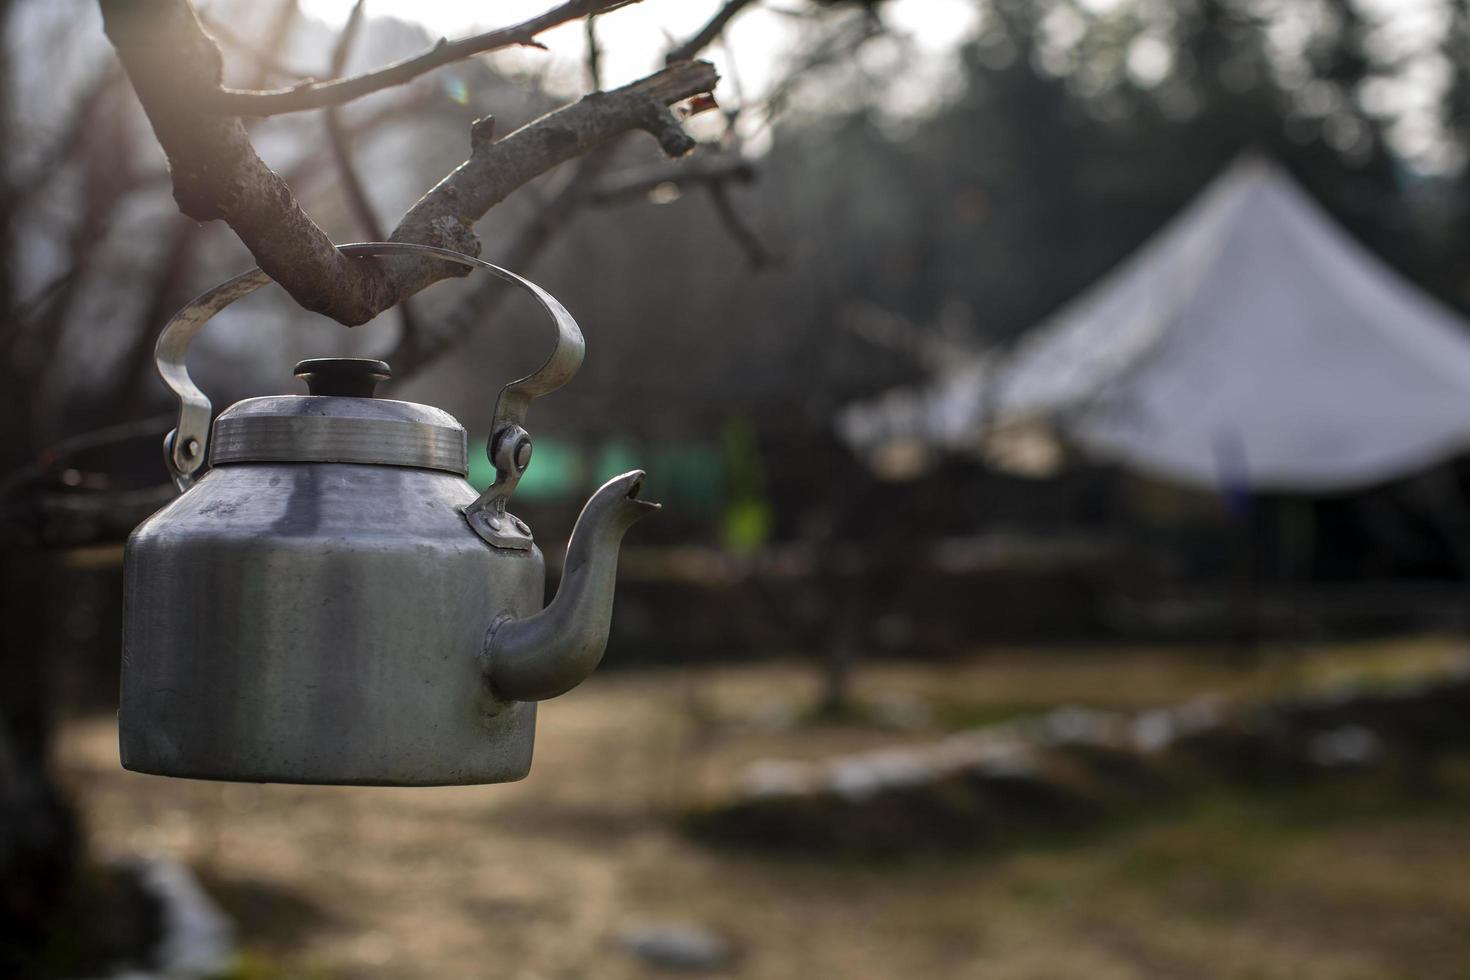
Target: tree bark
(176, 68)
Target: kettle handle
(185, 447)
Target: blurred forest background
(841, 235)
(877, 234)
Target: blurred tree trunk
(841, 655)
(39, 843)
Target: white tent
(1250, 341)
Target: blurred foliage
(1075, 134)
(747, 521)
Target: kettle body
(332, 602)
(268, 638)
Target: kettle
(331, 601)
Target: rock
(1075, 764)
(198, 941)
(1351, 746)
(858, 777)
(677, 946)
(1073, 724)
(776, 777)
(1159, 729)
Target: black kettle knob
(354, 377)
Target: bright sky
(633, 38)
(762, 38)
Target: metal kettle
(331, 601)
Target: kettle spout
(553, 651)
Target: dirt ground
(536, 879)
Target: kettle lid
(339, 421)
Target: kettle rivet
(494, 522)
(191, 448)
(521, 525)
(523, 453)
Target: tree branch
(318, 95)
(78, 126)
(266, 63)
(340, 141)
(416, 351)
(495, 169)
(594, 54)
(275, 39)
(52, 456)
(706, 34)
(217, 174)
(755, 250)
(638, 181)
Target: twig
(42, 298)
(339, 140)
(413, 354)
(594, 55)
(176, 260)
(552, 216)
(337, 136)
(343, 48)
(275, 39)
(706, 34)
(65, 449)
(930, 349)
(105, 180)
(755, 250)
(839, 47)
(173, 266)
(579, 190)
(218, 175)
(317, 95)
(362, 209)
(496, 168)
(266, 62)
(78, 127)
(638, 181)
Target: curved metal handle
(185, 447)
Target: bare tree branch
(338, 138)
(416, 351)
(218, 175)
(267, 63)
(103, 150)
(216, 172)
(82, 119)
(52, 456)
(756, 252)
(275, 38)
(583, 187)
(176, 259)
(340, 141)
(594, 54)
(638, 181)
(707, 34)
(317, 95)
(170, 280)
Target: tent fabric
(1250, 343)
